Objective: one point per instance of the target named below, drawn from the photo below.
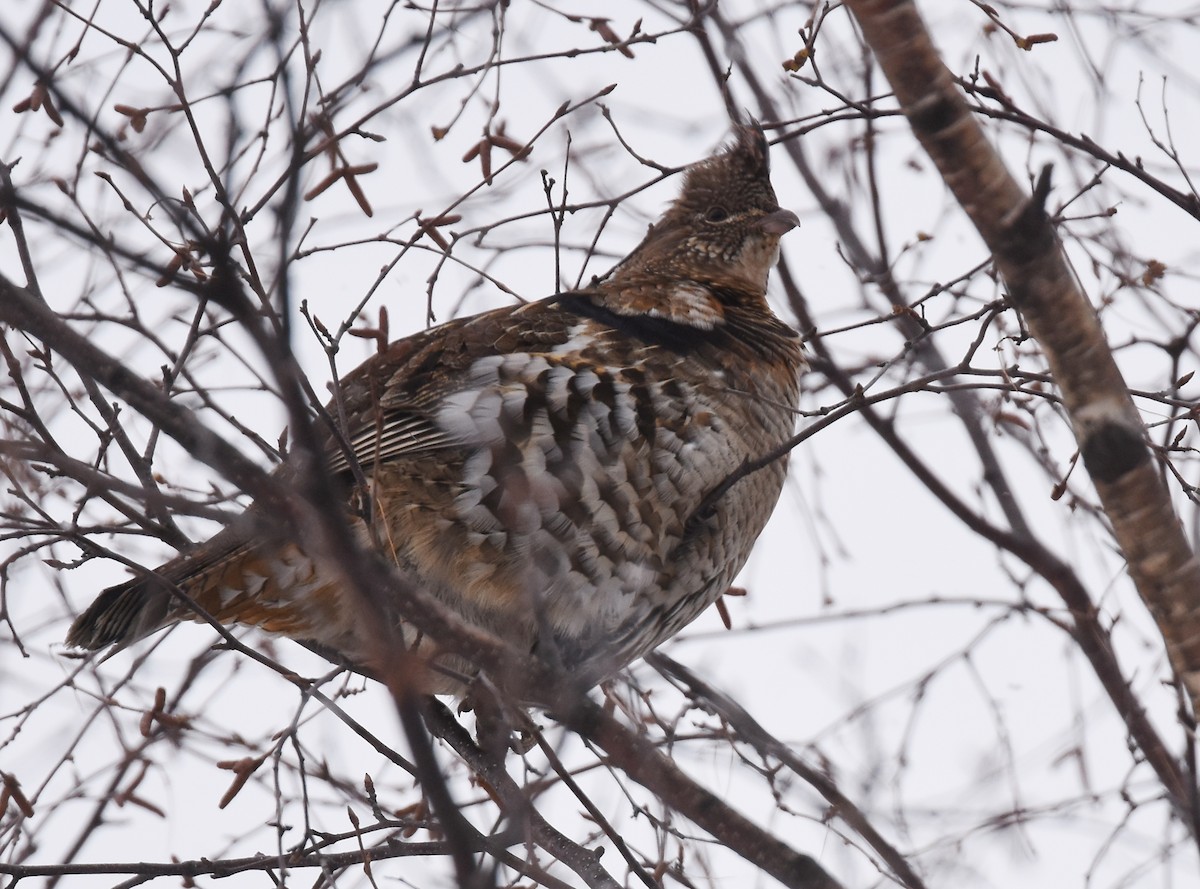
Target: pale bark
(1041, 285)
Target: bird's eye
(716, 214)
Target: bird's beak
(780, 222)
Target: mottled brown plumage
(541, 468)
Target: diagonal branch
(1028, 254)
(748, 729)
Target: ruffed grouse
(544, 469)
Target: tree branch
(1041, 285)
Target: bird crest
(716, 243)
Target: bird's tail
(125, 613)
(122, 614)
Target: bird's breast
(570, 488)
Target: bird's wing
(385, 409)
(397, 405)
(396, 433)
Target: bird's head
(719, 239)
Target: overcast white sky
(1016, 724)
